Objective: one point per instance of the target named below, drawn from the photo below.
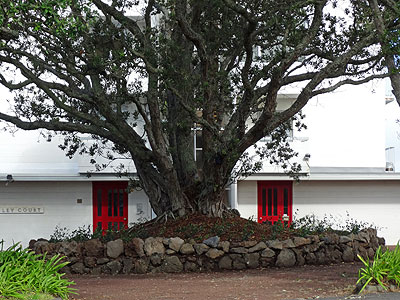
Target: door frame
(279, 185)
(105, 218)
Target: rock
(371, 231)
(127, 265)
(96, 271)
(156, 259)
(288, 244)
(170, 252)
(225, 263)
(73, 259)
(77, 268)
(381, 241)
(252, 260)
(267, 262)
(348, 255)
(249, 244)
(239, 263)
(371, 253)
(153, 246)
(331, 238)
(286, 258)
(135, 248)
(115, 248)
(175, 243)
(300, 241)
(314, 238)
(224, 246)
(90, 262)
(41, 247)
(336, 256)
(393, 288)
(141, 266)
(209, 265)
(172, 264)
(114, 266)
(363, 252)
(374, 243)
(322, 257)
(300, 260)
(311, 247)
(239, 250)
(371, 288)
(190, 267)
(363, 237)
(212, 241)
(102, 261)
(94, 248)
(66, 269)
(70, 249)
(268, 253)
(258, 247)
(214, 253)
(187, 249)
(191, 258)
(275, 244)
(311, 259)
(343, 239)
(201, 248)
(31, 243)
(155, 270)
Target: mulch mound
(200, 227)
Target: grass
(28, 276)
(384, 270)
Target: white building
(342, 154)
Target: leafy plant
(25, 275)
(311, 224)
(83, 233)
(384, 270)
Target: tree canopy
(142, 75)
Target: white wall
(59, 200)
(247, 199)
(135, 198)
(376, 202)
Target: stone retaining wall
(176, 255)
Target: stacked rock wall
(173, 255)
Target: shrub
(311, 224)
(384, 270)
(81, 234)
(25, 275)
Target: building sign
(21, 210)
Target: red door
(274, 201)
(110, 205)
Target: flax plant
(384, 270)
(24, 273)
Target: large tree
(143, 83)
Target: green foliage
(384, 270)
(311, 224)
(81, 234)
(248, 230)
(25, 275)
(192, 230)
(84, 233)
(277, 229)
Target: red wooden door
(110, 205)
(275, 201)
